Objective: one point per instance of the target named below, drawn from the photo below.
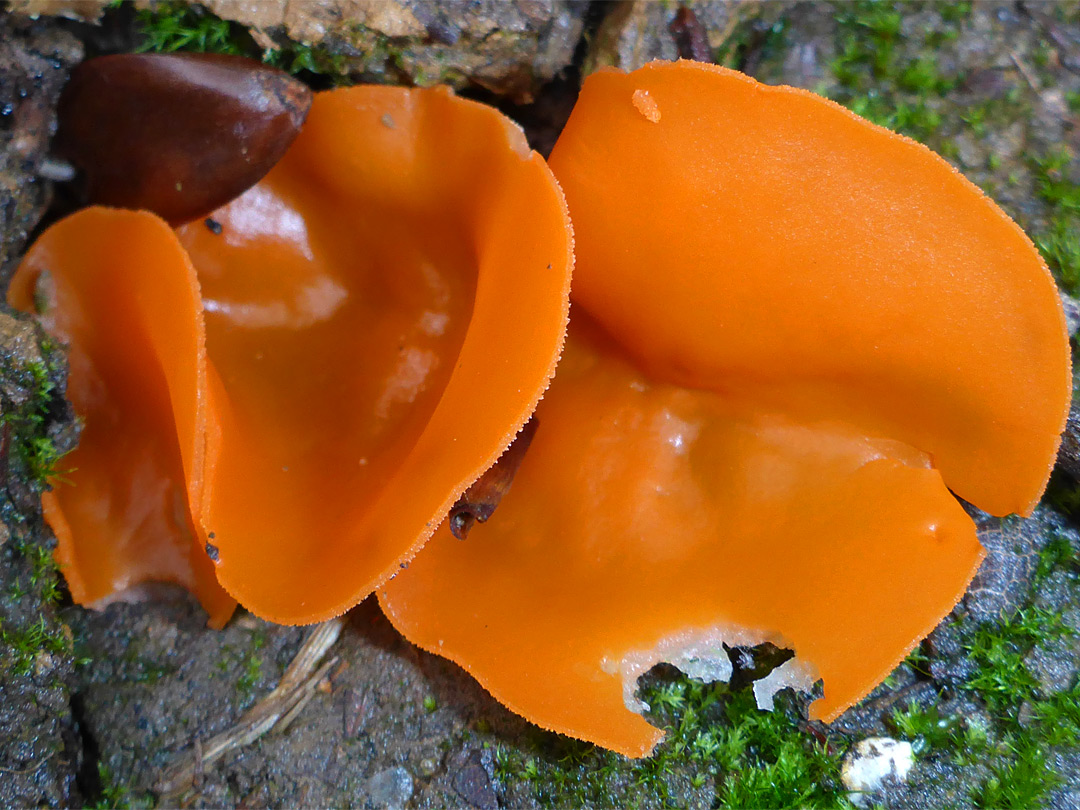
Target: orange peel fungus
(119, 290)
(361, 369)
(794, 332)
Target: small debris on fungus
(646, 105)
(755, 426)
(480, 500)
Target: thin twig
(293, 690)
(1025, 71)
(31, 769)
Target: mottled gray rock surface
(34, 60)
(509, 47)
(40, 749)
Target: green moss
(1060, 241)
(172, 26)
(249, 663)
(1056, 555)
(998, 650)
(430, 704)
(178, 26)
(1020, 781)
(923, 76)
(44, 570)
(25, 643)
(114, 796)
(714, 735)
(298, 57)
(26, 427)
(926, 729)
(893, 76)
(1060, 246)
(955, 12)
(1052, 181)
(1058, 718)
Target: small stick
(297, 683)
(306, 693)
(197, 778)
(1025, 71)
(32, 768)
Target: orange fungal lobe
(121, 293)
(794, 332)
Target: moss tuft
(720, 749)
(173, 26)
(26, 643)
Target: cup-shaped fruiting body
(382, 313)
(177, 134)
(118, 289)
(794, 332)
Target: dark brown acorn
(177, 134)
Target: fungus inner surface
(356, 373)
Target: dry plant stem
(279, 708)
(1025, 71)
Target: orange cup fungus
(117, 287)
(382, 313)
(794, 332)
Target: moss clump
(178, 26)
(720, 751)
(246, 665)
(27, 643)
(1010, 749)
(113, 796)
(24, 429)
(877, 82)
(1059, 241)
(169, 27)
